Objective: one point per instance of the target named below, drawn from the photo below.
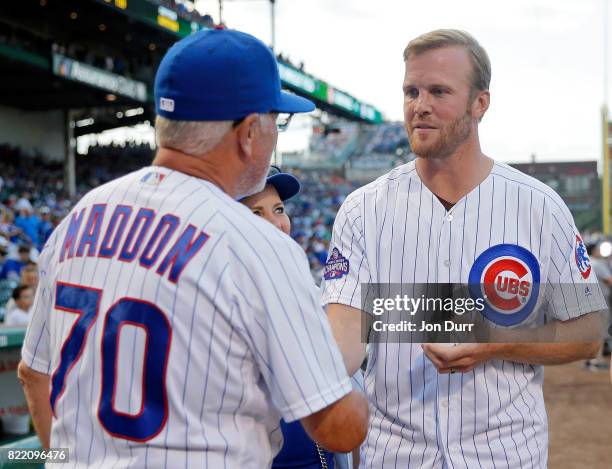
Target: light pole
(272, 20)
(605, 179)
(273, 44)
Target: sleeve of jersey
(35, 350)
(347, 266)
(291, 338)
(572, 288)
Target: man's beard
(451, 137)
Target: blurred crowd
(313, 212)
(97, 53)
(101, 56)
(187, 11)
(32, 203)
(284, 58)
(92, 52)
(599, 250)
(384, 139)
(335, 141)
(341, 141)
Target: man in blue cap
(162, 333)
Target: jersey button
(444, 404)
(449, 217)
(447, 263)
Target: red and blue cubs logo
(507, 277)
(582, 258)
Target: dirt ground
(579, 405)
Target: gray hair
(191, 137)
(481, 66)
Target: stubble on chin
(446, 143)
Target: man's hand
(449, 358)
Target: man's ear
(247, 131)
(481, 104)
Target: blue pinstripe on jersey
(495, 415)
(222, 417)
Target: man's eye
(257, 212)
(411, 92)
(280, 210)
(438, 91)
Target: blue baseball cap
(221, 74)
(287, 185)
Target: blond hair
(481, 66)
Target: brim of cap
(285, 184)
(292, 103)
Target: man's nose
(422, 104)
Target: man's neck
(453, 177)
(200, 168)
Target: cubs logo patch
(507, 277)
(153, 178)
(336, 266)
(582, 258)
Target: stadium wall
(39, 133)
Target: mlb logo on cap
(166, 104)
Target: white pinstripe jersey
(177, 329)
(395, 230)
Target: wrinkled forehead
(444, 65)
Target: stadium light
(605, 249)
(85, 122)
(134, 112)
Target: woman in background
(298, 450)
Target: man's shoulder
(515, 177)
(381, 184)
(102, 192)
(257, 246)
(246, 233)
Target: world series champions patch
(507, 276)
(582, 258)
(336, 266)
